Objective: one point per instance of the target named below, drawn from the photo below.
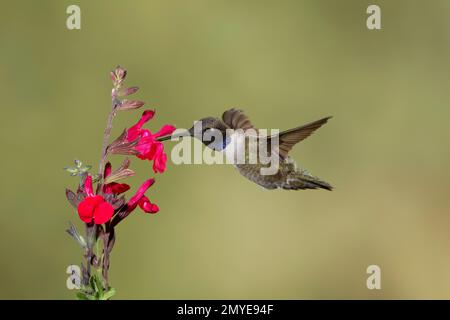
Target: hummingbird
(286, 176)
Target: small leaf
(108, 294)
(97, 285)
(72, 198)
(91, 297)
(85, 168)
(82, 296)
(79, 169)
(71, 170)
(73, 232)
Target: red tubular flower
(107, 171)
(94, 207)
(116, 188)
(135, 131)
(140, 199)
(113, 187)
(149, 148)
(147, 206)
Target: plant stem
(106, 135)
(89, 254)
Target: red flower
(140, 199)
(149, 148)
(94, 207)
(116, 188)
(113, 187)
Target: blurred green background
(218, 236)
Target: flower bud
(72, 198)
(73, 232)
(130, 104)
(128, 91)
(118, 75)
(121, 173)
(122, 146)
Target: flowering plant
(102, 208)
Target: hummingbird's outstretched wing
(289, 138)
(236, 119)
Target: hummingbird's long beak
(185, 133)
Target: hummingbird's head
(210, 131)
(206, 125)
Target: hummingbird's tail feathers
(323, 185)
(300, 181)
(289, 138)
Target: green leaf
(71, 170)
(92, 297)
(73, 232)
(98, 285)
(79, 169)
(108, 294)
(85, 168)
(82, 296)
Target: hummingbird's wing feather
(236, 119)
(289, 138)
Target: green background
(218, 236)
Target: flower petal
(103, 212)
(107, 171)
(87, 206)
(159, 159)
(164, 131)
(147, 206)
(134, 200)
(146, 116)
(88, 186)
(135, 131)
(85, 211)
(116, 188)
(145, 145)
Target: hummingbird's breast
(243, 152)
(237, 148)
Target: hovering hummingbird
(287, 175)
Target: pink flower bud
(118, 75)
(131, 104)
(128, 91)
